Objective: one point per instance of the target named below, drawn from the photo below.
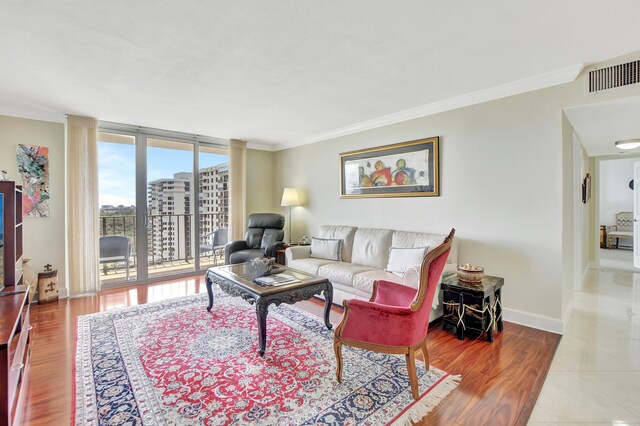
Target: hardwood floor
(500, 380)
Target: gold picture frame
(406, 169)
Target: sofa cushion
(419, 239)
(416, 239)
(364, 281)
(342, 272)
(344, 233)
(326, 248)
(371, 247)
(308, 264)
(403, 258)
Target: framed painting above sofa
(407, 169)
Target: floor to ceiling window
(163, 203)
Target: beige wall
(511, 172)
(43, 237)
(502, 189)
(261, 192)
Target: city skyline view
(116, 170)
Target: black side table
(472, 306)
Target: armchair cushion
(624, 221)
(394, 294)
(270, 237)
(253, 237)
(382, 324)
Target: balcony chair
(264, 237)
(396, 318)
(116, 248)
(622, 229)
(219, 239)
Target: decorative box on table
(473, 308)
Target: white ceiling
(283, 72)
(600, 125)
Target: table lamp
(290, 199)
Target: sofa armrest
(297, 252)
(272, 250)
(233, 246)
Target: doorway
(615, 212)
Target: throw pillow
(325, 248)
(403, 258)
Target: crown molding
(261, 146)
(553, 78)
(31, 113)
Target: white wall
(576, 229)
(43, 238)
(615, 194)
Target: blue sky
(117, 173)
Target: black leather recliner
(263, 238)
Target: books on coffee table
(276, 280)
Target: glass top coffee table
(238, 280)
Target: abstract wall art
(33, 172)
(407, 169)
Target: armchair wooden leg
(337, 347)
(411, 369)
(425, 354)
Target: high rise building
(214, 200)
(171, 212)
(169, 218)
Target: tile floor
(595, 375)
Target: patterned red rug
(173, 363)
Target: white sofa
(365, 254)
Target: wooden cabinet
(11, 271)
(472, 308)
(15, 347)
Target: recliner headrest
(266, 220)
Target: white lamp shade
(290, 197)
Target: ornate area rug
(174, 363)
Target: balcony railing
(169, 238)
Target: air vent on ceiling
(620, 75)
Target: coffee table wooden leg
(209, 283)
(261, 311)
(328, 300)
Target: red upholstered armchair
(396, 318)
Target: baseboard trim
(566, 315)
(63, 292)
(527, 319)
